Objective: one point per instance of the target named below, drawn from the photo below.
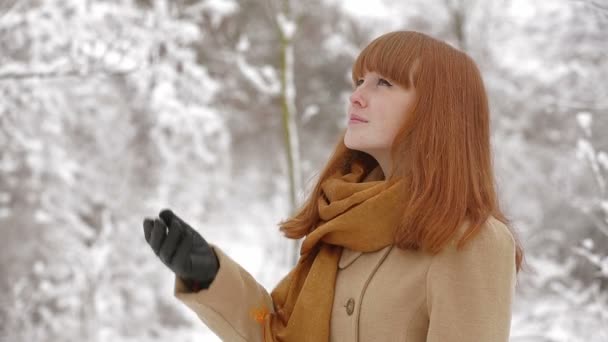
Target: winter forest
(225, 110)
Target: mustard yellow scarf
(356, 213)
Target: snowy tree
(106, 118)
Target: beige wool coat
(386, 295)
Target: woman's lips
(354, 118)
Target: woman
(403, 236)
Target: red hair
(442, 150)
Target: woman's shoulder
(494, 231)
(490, 251)
(492, 235)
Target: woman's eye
(385, 82)
(380, 81)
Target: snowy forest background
(224, 110)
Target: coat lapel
(348, 257)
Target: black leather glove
(182, 249)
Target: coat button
(350, 306)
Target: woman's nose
(358, 98)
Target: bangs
(394, 55)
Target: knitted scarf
(357, 213)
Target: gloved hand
(183, 250)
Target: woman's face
(383, 104)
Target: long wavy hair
(442, 150)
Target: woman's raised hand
(181, 248)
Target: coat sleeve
(470, 291)
(233, 306)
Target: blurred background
(226, 110)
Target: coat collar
(348, 257)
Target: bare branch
(598, 5)
(63, 74)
